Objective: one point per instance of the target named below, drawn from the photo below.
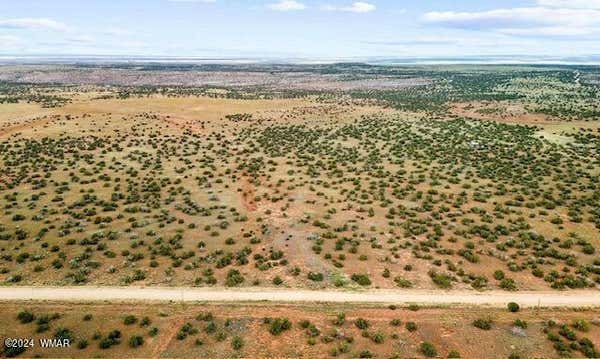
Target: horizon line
(511, 59)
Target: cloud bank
(287, 5)
(33, 24)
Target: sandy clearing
(492, 298)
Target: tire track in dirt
(248, 193)
(166, 339)
(28, 124)
(290, 236)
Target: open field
(223, 76)
(468, 185)
(308, 331)
(293, 192)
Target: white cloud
(287, 5)
(33, 23)
(83, 39)
(550, 31)
(8, 40)
(530, 21)
(116, 31)
(203, 1)
(418, 41)
(356, 7)
(570, 4)
(516, 17)
(359, 7)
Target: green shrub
(581, 325)
(454, 354)
(361, 279)
(136, 341)
(361, 323)
(508, 284)
(63, 333)
(315, 277)
(312, 331)
(378, 337)
(237, 342)
(234, 278)
(566, 332)
(485, 324)
(278, 325)
(428, 349)
(304, 324)
(520, 323)
(145, 322)
(340, 319)
(365, 354)
(113, 338)
(25, 317)
(402, 283)
(129, 320)
(513, 307)
(396, 322)
(440, 279)
(210, 328)
(205, 317)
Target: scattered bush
(428, 349)
(485, 324)
(315, 277)
(136, 341)
(234, 278)
(513, 307)
(361, 279)
(129, 320)
(237, 343)
(411, 326)
(279, 325)
(454, 354)
(520, 323)
(361, 323)
(25, 317)
(581, 325)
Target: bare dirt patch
(502, 111)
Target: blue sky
(300, 28)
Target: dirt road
(589, 298)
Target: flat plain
(343, 177)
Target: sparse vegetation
(362, 177)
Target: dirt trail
(11, 129)
(165, 340)
(575, 298)
(248, 193)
